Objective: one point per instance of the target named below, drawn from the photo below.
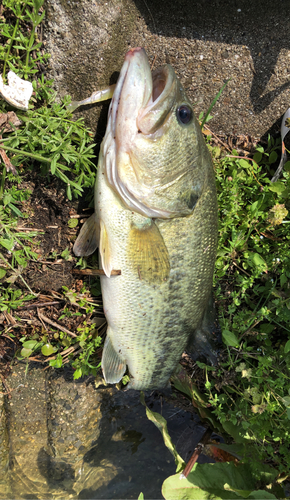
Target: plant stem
(197, 451)
(30, 45)
(11, 42)
(2, 182)
(25, 153)
(11, 267)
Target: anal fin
(88, 239)
(113, 365)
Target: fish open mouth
(142, 99)
(159, 78)
(140, 105)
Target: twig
(56, 325)
(250, 328)
(19, 276)
(95, 272)
(10, 390)
(77, 216)
(197, 451)
(217, 138)
(243, 270)
(39, 304)
(29, 229)
(247, 159)
(8, 165)
(7, 389)
(51, 262)
(9, 318)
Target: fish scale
(151, 323)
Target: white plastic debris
(17, 92)
(284, 132)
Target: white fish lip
(133, 91)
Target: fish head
(154, 153)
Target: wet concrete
(66, 439)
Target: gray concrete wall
(206, 41)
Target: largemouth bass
(156, 220)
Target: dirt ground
(48, 212)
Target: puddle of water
(69, 440)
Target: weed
(251, 387)
(45, 137)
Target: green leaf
(78, 373)
(230, 338)
(266, 328)
(25, 353)
(277, 187)
(283, 279)
(254, 206)
(47, 350)
(257, 157)
(286, 400)
(56, 363)
(213, 103)
(72, 223)
(53, 163)
(7, 198)
(161, 424)
(2, 272)
(273, 157)
(258, 260)
(66, 254)
(15, 210)
(30, 344)
(214, 481)
(261, 494)
(68, 192)
(8, 244)
(244, 163)
(141, 496)
(287, 347)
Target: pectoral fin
(88, 239)
(148, 253)
(113, 365)
(105, 250)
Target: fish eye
(184, 114)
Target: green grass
(252, 281)
(52, 144)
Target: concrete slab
(207, 42)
